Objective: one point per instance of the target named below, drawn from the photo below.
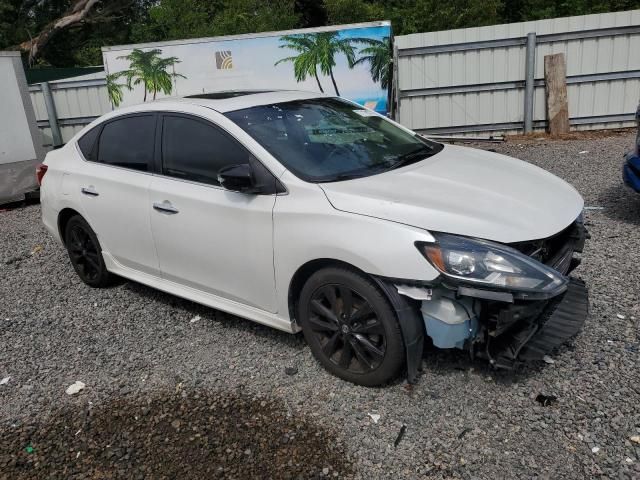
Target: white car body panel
(220, 242)
(239, 252)
(468, 192)
(307, 228)
(124, 192)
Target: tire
(350, 327)
(85, 253)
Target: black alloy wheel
(85, 253)
(350, 327)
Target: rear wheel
(85, 253)
(350, 327)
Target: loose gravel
(174, 389)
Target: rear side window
(195, 150)
(128, 142)
(87, 143)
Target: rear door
(113, 186)
(207, 237)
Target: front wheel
(350, 327)
(85, 253)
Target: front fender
(307, 228)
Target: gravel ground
(176, 389)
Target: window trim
(152, 164)
(207, 121)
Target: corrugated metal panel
(75, 102)
(480, 67)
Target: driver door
(209, 238)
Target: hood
(465, 191)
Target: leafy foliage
(131, 21)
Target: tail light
(40, 171)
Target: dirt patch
(179, 435)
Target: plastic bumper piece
(561, 319)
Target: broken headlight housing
(491, 265)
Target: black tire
(353, 332)
(85, 253)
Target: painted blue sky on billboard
(252, 63)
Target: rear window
(87, 143)
(128, 142)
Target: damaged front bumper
(506, 328)
(527, 331)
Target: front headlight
(490, 264)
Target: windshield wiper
(342, 176)
(412, 157)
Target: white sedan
(307, 212)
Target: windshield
(327, 139)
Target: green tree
(305, 64)
(252, 16)
(353, 11)
(150, 70)
(175, 19)
(178, 19)
(415, 16)
(378, 56)
(70, 32)
(522, 10)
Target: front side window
(128, 142)
(195, 150)
(327, 139)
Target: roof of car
(227, 101)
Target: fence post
(51, 113)
(529, 73)
(394, 108)
(555, 83)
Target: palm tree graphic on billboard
(378, 56)
(306, 62)
(146, 68)
(317, 51)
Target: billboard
(352, 61)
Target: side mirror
(237, 178)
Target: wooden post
(555, 81)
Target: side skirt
(225, 305)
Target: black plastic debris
(291, 370)
(400, 435)
(546, 400)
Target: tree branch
(79, 12)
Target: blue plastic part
(447, 335)
(631, 172)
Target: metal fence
(475, 80)
(62, 108)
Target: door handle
(165, 207)
(91, 191)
